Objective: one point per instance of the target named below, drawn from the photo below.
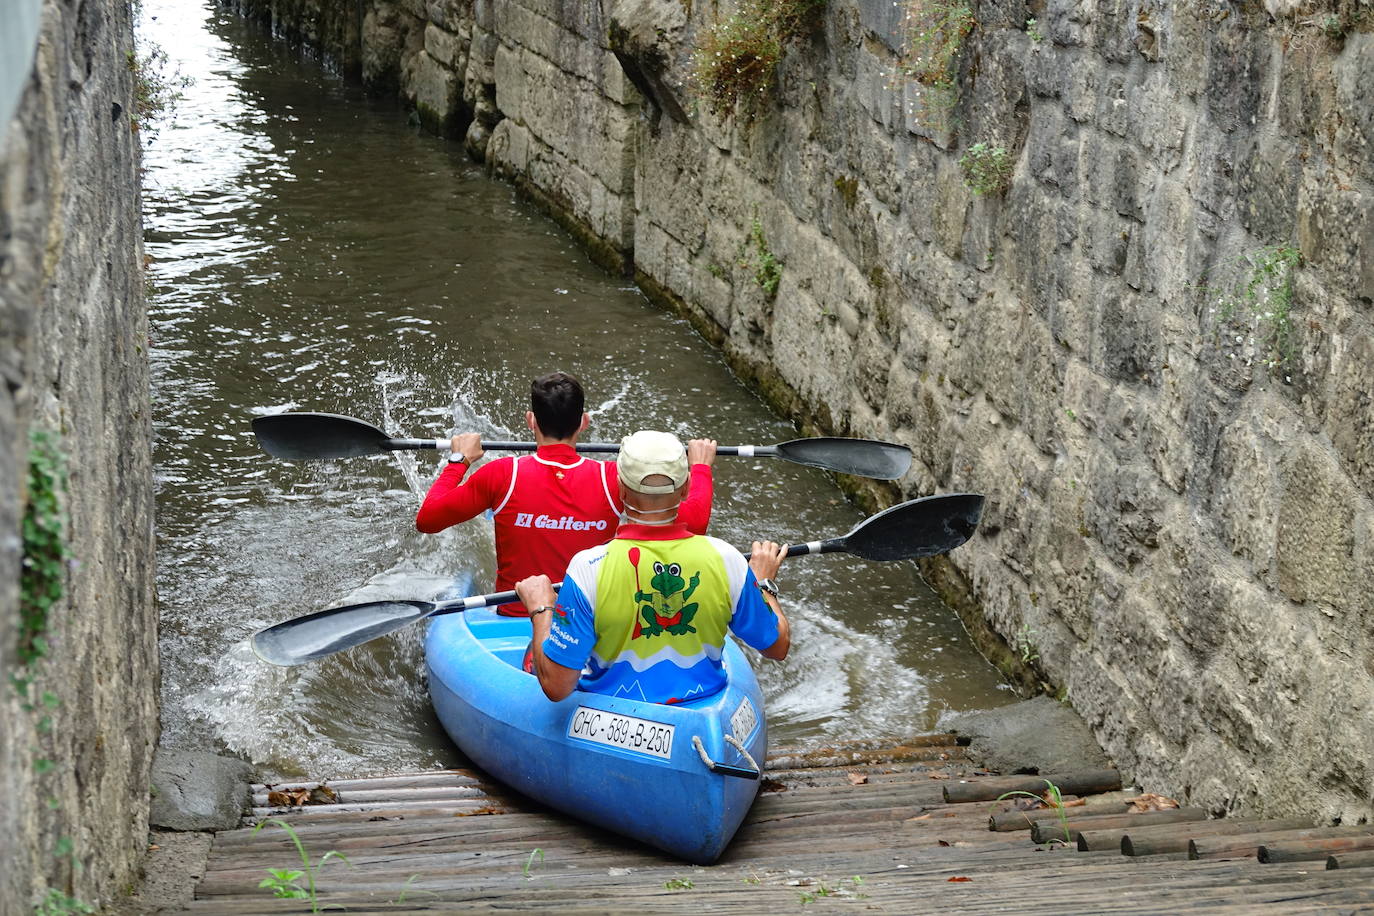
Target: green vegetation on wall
(42, 579)
(933, 33)
(987, 169)
(735, 67)
(1253, 309)
(761, 260)
(42, 583)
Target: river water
(313, 250)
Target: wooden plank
(1045, 830)
(1173, 838)
(1247, 845)
(1363, 859)
(1311, 850)
(989, 788)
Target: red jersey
(547, 507)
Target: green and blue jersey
(646, 615)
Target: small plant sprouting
(529, 863)
(839, 890)
(1253, 311)
(987, 169)
(1055, 801)
(406, 889)
(766, 266)
(158, 87)
(1032, 32)
(285, 882)
(933, 32)
(734, 68)
(679, 884)
(1025, 640)
(59, 904)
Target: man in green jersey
(646, 614)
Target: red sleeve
(451, 499)
(695, 511)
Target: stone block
(435, 89)
(1267, 190)
(450, 15)
(1237, 75)
(1350, 421)
(1352, 115)
(509, 148)
(1335, 229)
(444, 47)
(1040, 733)
(193, 790)
(509, 72)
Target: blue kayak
(673, 776)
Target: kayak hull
(623, 764)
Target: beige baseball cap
(649, 452)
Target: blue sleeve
(572, 636)
(753, 620)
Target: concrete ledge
(193, 790)
(1040, 735)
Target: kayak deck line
(869, 823)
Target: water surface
(312, 250)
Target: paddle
(307, 436)
(919, 528)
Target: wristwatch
(458, 458)
(768, 585)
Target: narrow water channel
(312, 250)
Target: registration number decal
(744, 719)
(625, 732)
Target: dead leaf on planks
(1150, 802)
(857, 779)
(300, 796)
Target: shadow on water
(312, 251)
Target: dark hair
(557, 402)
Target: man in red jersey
(554, 503)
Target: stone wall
(72, 355)
(1180, 535)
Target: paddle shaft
(397, 445)
(473, 602)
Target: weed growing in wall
(766, 266)
(987, 169)
(42, 584)
(158, 86)
(43, 575)
(933, 33)
(734, 68)
(1253, 309)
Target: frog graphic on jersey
(664, 608)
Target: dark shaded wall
(73, 340)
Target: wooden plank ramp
(858, 828)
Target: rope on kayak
(731, 739)
(723, 768)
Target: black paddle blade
(304, 639)
(312, 436)
(860, 457)
(919, 528)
